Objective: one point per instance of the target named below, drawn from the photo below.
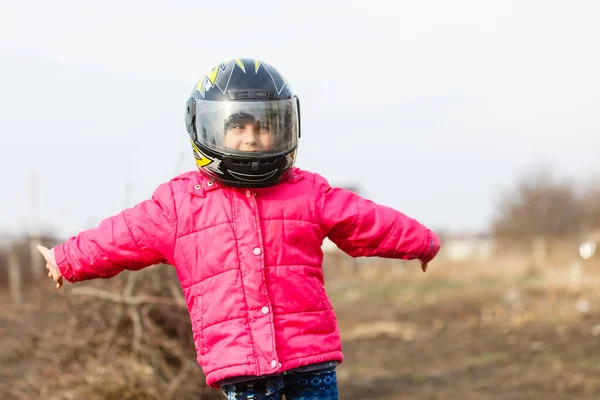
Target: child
(244, 234)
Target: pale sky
(430, 106)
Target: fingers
(45, 252)
(52, 270)
(53, 273)
(59, 281)
(424, 267)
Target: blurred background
(479, 119)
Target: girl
(244, 233)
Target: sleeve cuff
(64, 268)
(432, 247)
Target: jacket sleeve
(360, 227)
(133, 239)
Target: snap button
(248, 193)
(257, 251)
(210, 183)
(265, 310)
(197, 187)
(273, 363)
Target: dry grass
(479, 331)
(495, 330)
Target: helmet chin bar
(253, 177)
(244, 171)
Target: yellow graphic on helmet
(201, 159)
(240, 64)
(289, 159)
(204, 161)
(212, 75)
(219, 76)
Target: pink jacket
(249, 263)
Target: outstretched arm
(360, 227)
(133, 239)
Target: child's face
(248, 135)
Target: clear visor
(262, 127)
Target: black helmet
(244, 122)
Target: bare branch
(127, 300)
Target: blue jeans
(317, 385)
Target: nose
(249, 138)
(251, 134)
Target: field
(498, 335)
(498, 329)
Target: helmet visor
(247, 128)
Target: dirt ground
(461, 331)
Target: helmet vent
(268, 161)
(243, 163)
(241, 95)
(251, 94)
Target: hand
(51, 265)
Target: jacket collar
(200, 184)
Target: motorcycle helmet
(244, 124)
